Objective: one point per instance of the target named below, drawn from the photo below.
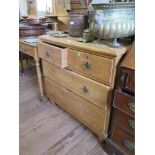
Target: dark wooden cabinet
(124, 102)
(124, 121)
(121, 139)
(124, 140)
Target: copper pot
(27, 30)
(36, 20)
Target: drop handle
(87, 65)
(131, 123)
(130, 145)
(132, 107)
(85, 89)
(47, 54)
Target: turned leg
(42, 97)
(21, 63)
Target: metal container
(27, 30)
(76, 24)
(36, 20)
(112, 20)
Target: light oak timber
(84, 111)
(42, 130)
(27, 49)
(53, 54)
(95, 48)
(60, 84)
(101, 68)
(32, 50)
(95, 92)
(129, 60)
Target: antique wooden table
(28, 46)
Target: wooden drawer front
(127, 80)
(95, 67)
(124, 121)
(90, 115)
(26, 49)
(90, 90)
(123, 140)
(124, 102)
(53, 54)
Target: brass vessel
(112, 20)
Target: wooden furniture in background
(83, 86)
(30, 49)
(59, 14)
(32, 7)
(121, 140)
(79, 5)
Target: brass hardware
(122, 78)
(131, 123)
(47, 54)
(85, 89)
(132, 106)
(130, 145)
(87, 65)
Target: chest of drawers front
(82, 85)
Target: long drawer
(124, 121)
(90, 115)
(124, 102)
(90, 90)
(53, 54)
(26, 49)
(95, 67)
(123, 140)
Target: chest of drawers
(83, 85)
(122, 134)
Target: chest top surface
(98, 48)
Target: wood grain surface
(87, 113)
(89, 89)
(101, 68)
(45, 129)
(98, 48)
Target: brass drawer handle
(130, 145)
(132, 106)
(122, 78)
(48, 55)
(132, 123)
(85, 89)
(87, 65)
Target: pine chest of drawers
(79, 77)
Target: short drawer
(95, 67)
(127, 80)
(53, 54)
(87, 113)
(124, 140)
(27, 49)
(89, 89)
(124, 121)
(124, 102)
